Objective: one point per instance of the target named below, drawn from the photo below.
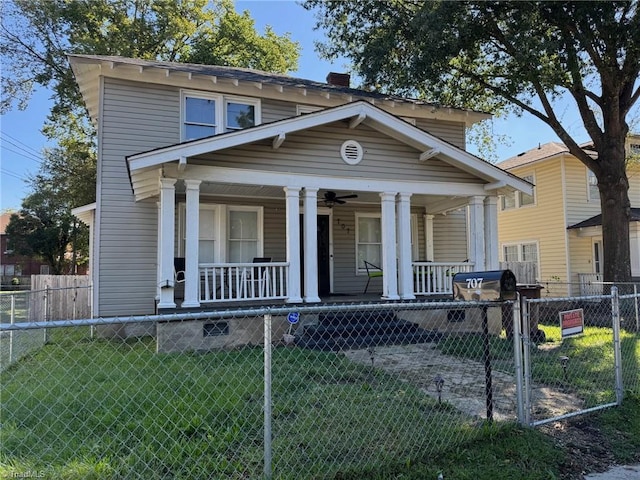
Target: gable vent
(351, 152)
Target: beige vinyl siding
(633, 174)
(273, 110)
(542, 222)
(317, 151)
(452, 132)
(135, 118)
(450, 237)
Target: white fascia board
(84, 213)
(283, 179)
(372, 116)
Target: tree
(519, 56)
(37, 35)
(43, 228)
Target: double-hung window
(204, 114)
(519, 199)
(368, 240)
(244, 234)
(520, 252)
(592, 185)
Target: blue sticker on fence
(293, 317)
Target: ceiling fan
(331, 199)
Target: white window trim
(519, 250)
(222, 216)
(415, 248)
(363, 271)
(221, 111)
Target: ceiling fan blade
(339, 202)
(348, 196)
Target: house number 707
(474, 282)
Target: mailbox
(493, 286)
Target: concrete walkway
(621, 472)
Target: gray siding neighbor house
(219, 185)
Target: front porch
(231, 283)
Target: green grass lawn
(97, 409)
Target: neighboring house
(559, 227)
(205, 170)
(13, 265)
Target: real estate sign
(572, 322)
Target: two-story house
(559, 228)
(219, 185)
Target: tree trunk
(616, 211)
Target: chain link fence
(327, 391)
(35, 305)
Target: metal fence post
(617, 353)
(635, 301)
(46, 311)
(267, 397)
(13, 320)
(526, 357)
(517, 358)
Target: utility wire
(13, 174)
(24, 145)
(22, 152)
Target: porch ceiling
(434, 203)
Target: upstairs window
(592, 187)
(204, 115)
(519, 199)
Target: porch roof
(596, 220)
(144, 166)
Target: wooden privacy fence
(60, 297)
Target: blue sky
(22, 142)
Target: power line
(13, 174)
(28, 155)
(27, 147)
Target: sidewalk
(622, 472)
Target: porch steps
(347, 330)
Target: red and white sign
(572, 322)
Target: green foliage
(520, 56)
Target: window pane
(510, 253)
(524, 198)
(529, 252)
(240, 116)
(205, 253)
(193, 132)
(508, 201)
(243, 225)
(200, 110)
(370, 253)
(242, 251)
(369, 230)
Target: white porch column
(191, 247)
(311, 245)
(405, 270)
(428, 234)
(158, 254)
(293, 242)
(167, 231)
(476, 232)
(389, 265)
(491, 244)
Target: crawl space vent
(351, 152)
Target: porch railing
(590, 284)
(228, 282)
(435, 277)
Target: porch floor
(333, 299)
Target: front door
(324, 254)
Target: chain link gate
(575, 366)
